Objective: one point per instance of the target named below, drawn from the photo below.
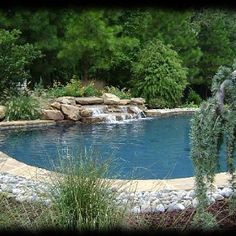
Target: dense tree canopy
(105, 44)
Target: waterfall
(117, 113)
(97, 110)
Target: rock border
(42, 123)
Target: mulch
(181, 221)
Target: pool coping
(12, 166)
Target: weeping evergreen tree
(214, 123)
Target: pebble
(176, 207)
(159, 208)
(166, 199)
(226, 192)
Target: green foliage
(42, 28)
(193, 97)
(14, 59)
(121, 93)
(22, 107)
(90, 90)
(91, 45)
(159, 74)
(206, 222)
(214, 39)
(211, 125)
(159, 103)
(105, 44)
(189, 105)
(178, 29)
(73, 88)
(81, 198)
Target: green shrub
(157, 103)
(194, 98)
(22, 107)
(55, 92)
(121, 93)
(90, 90)
(74, 88)
(159, 74)
(81, 198)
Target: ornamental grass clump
(22, 107)
(81, 198)
(214, 123)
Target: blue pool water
(143, 149)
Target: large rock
(56, 105)
(86, 112)
(110, 99)
(89, 100)
(137, 101)
(71, 112)
(92, 120)
(3, 110)
(66, 100)
(53, 115)
(124, 101)
(134, 109)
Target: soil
(181, 221)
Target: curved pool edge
(11, 166)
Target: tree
(214, 40)
(159, 75)
(91, 45)
(15, 59)
(214, 122)
(43, 29)
(178, 29)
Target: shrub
(194, 98)
(81, 198)
(22, 107)
(212, 125)
(159, 74)
(121, 93)
(90, 90)
(157, 103)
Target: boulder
(134, 109)
(89, 100)
(66, 100)
(92, 120)
(110, 99)
(71, 112)
(3, 110)
(85, 112)
(124, 101)
(56, 105)
(53, 114)
(137, 101)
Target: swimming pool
(156, 148)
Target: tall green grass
(82, 198)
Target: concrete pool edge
(11, 166)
